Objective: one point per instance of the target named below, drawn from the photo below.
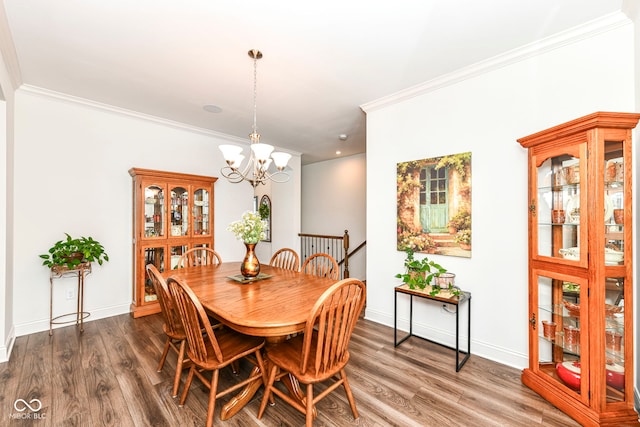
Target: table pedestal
(246, 394)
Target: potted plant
(463, 237)
(72, 252)
(460, 221)
(419, 273)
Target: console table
(456, 301)
(58, 272)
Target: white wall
(485, 113)
(334, 200)
(632, 9)
(71, 163)
(7, 331)
(285, 212)
(6, 335)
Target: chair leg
(267, 390)
(212, 398)
(164, 354)
(347, 389)
(309, 410)
(260, 362)
(179, 365)
(187, 385)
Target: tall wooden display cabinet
(172, 212)
(580, 268)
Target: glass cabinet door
(154, 211)
(558, 233)
(176, 254)
(201, 212)
(155, 256)
(614, 203)
(560, 331)
(179, 211)
(614, 247)
(614, 340)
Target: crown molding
(590, 29)
(46, 93)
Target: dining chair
(211, 350)
(321, 353)
(199, 256)
(286, 258)
(176, 338)
(321, 265)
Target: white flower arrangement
(250, 229)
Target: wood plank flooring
(107, 377)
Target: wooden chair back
(199, 256)
(286, 258)
(329, 327)
(321, 265)
(172, 323)
(195, 322)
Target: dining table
(274, 305)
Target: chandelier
(256, 170)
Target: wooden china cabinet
(580, 268)
(172, 212)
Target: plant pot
(76, 256)
(465, 246)
(445, 280)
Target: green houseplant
(72, 252)
(419, 273)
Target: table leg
(50, 306)
(238, 401)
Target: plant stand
(446, 299)
(58, 272)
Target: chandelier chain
(255, 94)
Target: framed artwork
(265, 213)
(434, 205)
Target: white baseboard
(5, 349)
(447, 337)
(43, 324)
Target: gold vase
(250, 267)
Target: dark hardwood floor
(107, 377)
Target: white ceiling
(322, 60)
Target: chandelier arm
(232, 175)
(275, 176)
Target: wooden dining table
(273, 307)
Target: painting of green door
(434, 203)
